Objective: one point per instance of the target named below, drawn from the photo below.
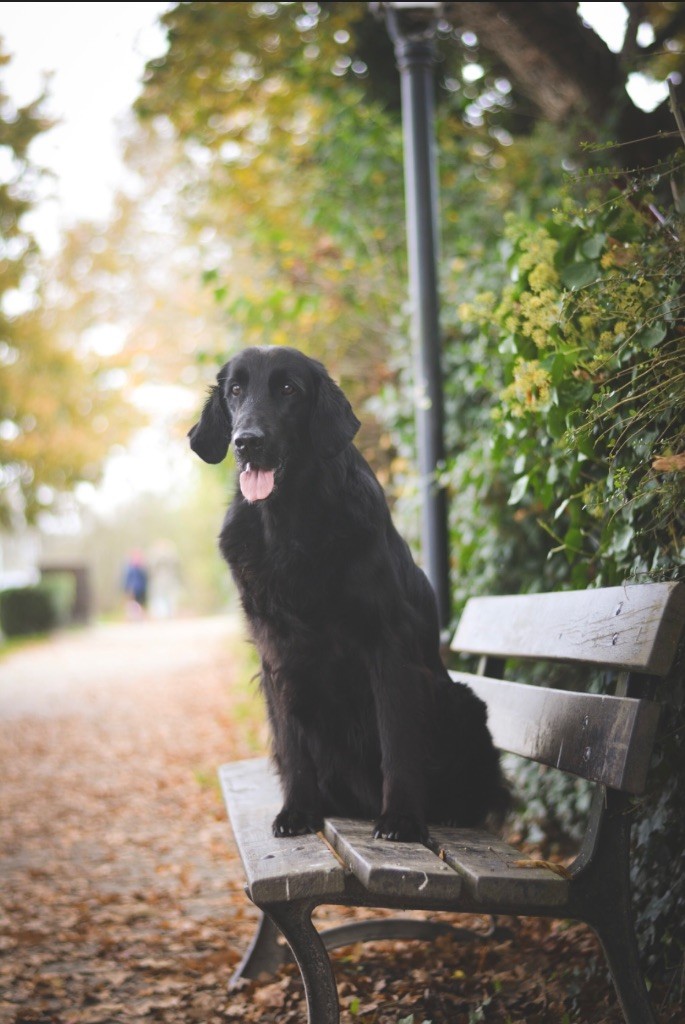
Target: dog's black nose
(249, 442)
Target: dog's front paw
(295, 823)
(400, 828)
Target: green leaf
(579, 275)
(573, 540)
(518, 490)
(592, 247)
(556, 422)
(562, 508)
(507, 346)
(651, 336)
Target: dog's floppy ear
(332, 424)
(211, 435)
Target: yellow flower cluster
(537, 309)
(530, 389)
(542, 276)
(479, 310)
(537, 315)
(536, 248)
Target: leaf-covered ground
(121, 895)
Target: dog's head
(277, 406)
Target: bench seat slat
(601, 738)
(275, 869)
(391, 869)
(495, 872)
(633, 627)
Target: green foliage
(575, 461)
(288, 116)
(659, 839)
(304, 179)
(25, 611)
(565, 407)
(587, 432)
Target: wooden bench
(631, 633)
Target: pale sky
(96, 54)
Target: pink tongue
(256, 484)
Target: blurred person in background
(135, 585)
(165, 580)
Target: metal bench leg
(295, 922)
(265, 954)
(606, 903)
(620, 948)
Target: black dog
(365, 719)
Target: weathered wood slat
(275, 869)
(495, 872)
(633, 627)
(604, 739)
(391, 869)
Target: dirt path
(121, 896)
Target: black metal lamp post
(412, 29)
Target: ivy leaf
(556, 422)
(580, 275)
(592, 247)
(518, 490)
(562, 508)
(650, 337)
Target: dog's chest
(285, 577)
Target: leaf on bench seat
(558, 869)
(495, 873)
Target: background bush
(26, 610)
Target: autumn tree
(132, 285)
(60, 410)
(263, 132)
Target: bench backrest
(627, 629)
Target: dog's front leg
(302, 809)
(397, 690)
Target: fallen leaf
(670, 463)
(558, 869)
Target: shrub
(581, 474)
(26, 610)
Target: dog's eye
(234, 389)
(287, 388)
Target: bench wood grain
(601, 738)
(276, 869)
(632, 627)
